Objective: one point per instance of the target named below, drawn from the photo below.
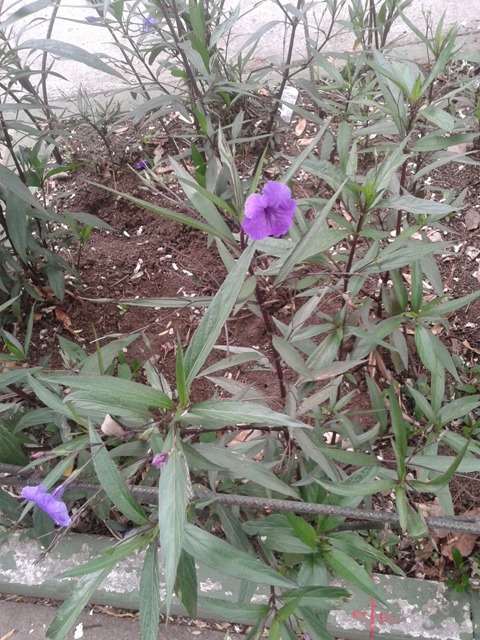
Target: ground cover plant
(288, 382)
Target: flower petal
(270, 213)
(257, 227)
(254, 205)
(48, 502)
(276, 193)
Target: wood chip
(8, 635)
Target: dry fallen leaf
(300, 128)
(63, 319)
(464, 542)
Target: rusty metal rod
(20, 477)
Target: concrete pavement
(71, 27)
(28, 621)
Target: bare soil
(148, 256)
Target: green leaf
(231, 412)
(433, 353)
(112, 482)
(202, 203)
(150, 594)
(23, 12)
(10, 449)
(362, 489)
(106, 394)
(217, 313)
(344, 566)
(399, 429)
(242, 467)
(17, 224)
(402, 507)
(218, 554)
(104, 356)
(443, 479)
(49, 398)
(72, 607)
(242, 612)
(319, 597)
(9, 506)
(458, 408)
(439, 117)
(109, 556)
(180, 376)
(186, 584)
(305, 532)
(165, 213)
(452, 305)
(71, 52)
(172, 506)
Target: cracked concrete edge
(415, 608)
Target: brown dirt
(149, 256)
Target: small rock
(472, 220)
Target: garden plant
(330, 251)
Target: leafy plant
(360, 274)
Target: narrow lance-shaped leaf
(172, 505)
(150, 594)
(112, 482)
(70, 609)
(217, 313)
(218, 554)
(71, 52)
(399, 428)
(347, 568)
(186, 584)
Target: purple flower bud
(159, 459)
(141, 164)
(48, 502)
(269, 214)
(92, 19)
(148, 23)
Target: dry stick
(269, 327)
(149, 495)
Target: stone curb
(415, 608)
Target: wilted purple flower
(307, 636)
(149, 23)
(48, 502)
(159, 459)
(92, 19)
(141, 164)
(269, 214)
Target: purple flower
(159, 459)
(49, 503)
(92, 19)
(148, 23)
(269, 214)
(141, 164)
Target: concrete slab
(414, 609)
(27, 621)
(71, 27)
